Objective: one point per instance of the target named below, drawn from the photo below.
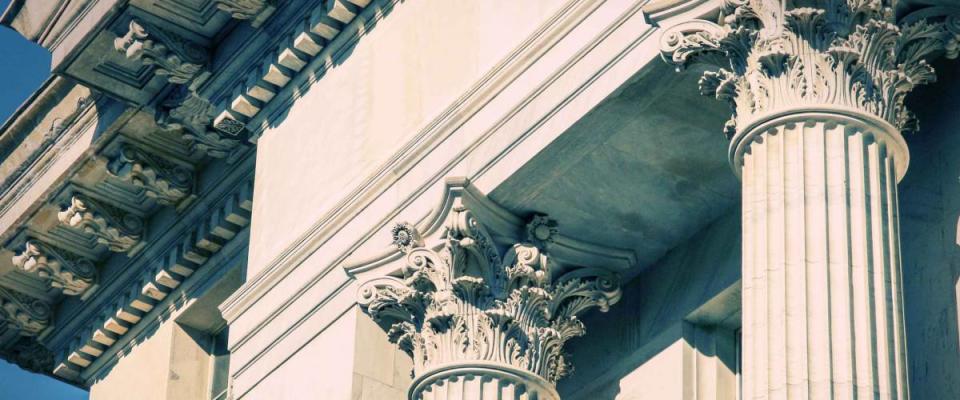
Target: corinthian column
(482, 322)
(817, 88)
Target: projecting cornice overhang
(125, 132)
(82, 180)
(209, 68)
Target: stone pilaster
(817, 89)
(482, 322)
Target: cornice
(183, 251)
(514, 64)
(657, 11)
(566, 20)
(326, 28)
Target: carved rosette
(770, 58)
(173, 56)
(117, 229)
(68, 272)
(27, 315)
(470, 313)
(162, 180)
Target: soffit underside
(645, 170)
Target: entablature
(143, 121)
(203, 65)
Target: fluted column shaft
(822, 288)
(481, 382)
(817, 89)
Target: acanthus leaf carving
(245, 9)
(186, 110)
(163, 180)
(464, 299)
(768, 57)
(174, 57)
(27, 315)
(30, 355)
(117, 229)
(68, 272)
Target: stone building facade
(497, 199)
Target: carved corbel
(27, 315)
(185, 110)
(163, 180)
(30, 355)
(68, 272)
(173, 56)
(256, 11)
(118, 230)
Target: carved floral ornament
(184, 109)
(27, 315)
(117, 229)
(68, 272)
(768, 57)
(173, 56)
(245, 9)
(30, 355)
(161, 179)
(463, 299)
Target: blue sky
(23, 67)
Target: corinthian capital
(117, 229)
(174, 57)
(68, 272)
(772, 57)
(162, 180)
(27, 315)
(464, 300)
